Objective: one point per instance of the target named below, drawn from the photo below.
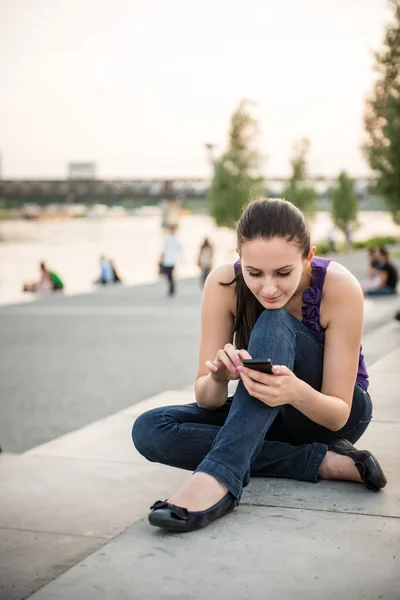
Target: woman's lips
(271, 298)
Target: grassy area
(374, 242)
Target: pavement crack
(326, 510)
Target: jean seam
(310, 338)
(314, 462)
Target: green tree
(236, 177)
(344, 202)
(382, 117)
(297, 190)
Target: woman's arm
(383, 277)
(343, 312)
(216, 331)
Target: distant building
(82, 170)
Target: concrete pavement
(79, 501)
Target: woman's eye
(284, 274)
(255, 274)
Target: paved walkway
(72, 510)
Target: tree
(297, 191)
(382, 118)
(236, 175)
(344, 202)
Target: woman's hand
(225, 365)
(283, 387)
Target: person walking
(205, 260)
(305, 313)
(169, 258)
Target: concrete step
(381, 341)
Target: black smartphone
(264, 365)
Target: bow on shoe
(178, 511)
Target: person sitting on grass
(386, 275)
(305, 313)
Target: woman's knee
(144, 433)
(278, 326)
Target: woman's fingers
(211, 366)
(228, 357)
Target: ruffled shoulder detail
(312, 297)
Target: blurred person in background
(332, 239)
(386, 275)
(348, 237)
(205, 260)
(49, 282)
(373, 261)
(117, 277)
(373, 266)
(106, 271)
(170, 255)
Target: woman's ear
(311, 254)
(237, 252)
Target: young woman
(279, 301)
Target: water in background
(73, 247)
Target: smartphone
(264, 365)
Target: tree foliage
(382, 117)
(236, 177)
(344, 202)
(297, 189)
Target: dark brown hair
(265, 218)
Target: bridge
(113, 190)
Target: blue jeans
(383, 291)
(245, 437)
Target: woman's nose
(269, 288)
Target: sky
(139, 86)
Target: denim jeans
(245, 437)
(383, 291)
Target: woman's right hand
(224, 366)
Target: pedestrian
(332, 239)
(348, 237)
(169, 258)
(205, 260)
(280, 301)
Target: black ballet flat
(176, 518)
(367, 465)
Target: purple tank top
(312, 297)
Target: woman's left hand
(283, 387)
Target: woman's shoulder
(341, 285)
(224, 274)
(220, 288)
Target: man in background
(386, 275)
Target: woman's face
(272, 270)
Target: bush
(388, 240)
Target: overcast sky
(140, 85)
